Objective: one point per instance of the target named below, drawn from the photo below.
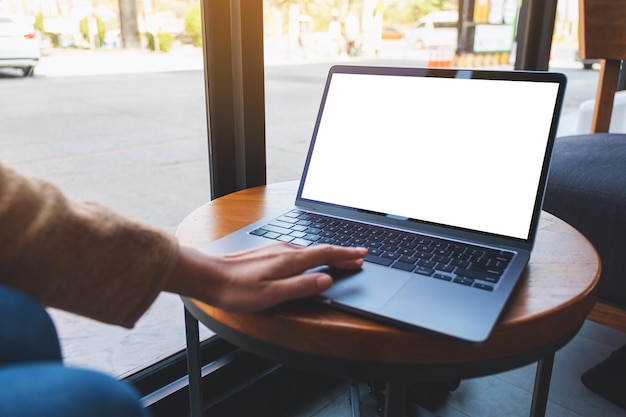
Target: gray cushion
(587, 188)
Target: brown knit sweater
(79, 256)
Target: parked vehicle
(20, 46)
(437, 29)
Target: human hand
(261, 277)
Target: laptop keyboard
(458, 263)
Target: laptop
(441, 174)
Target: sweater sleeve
(79, 256)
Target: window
(126, 128)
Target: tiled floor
(505, 394)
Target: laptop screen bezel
(424, 226)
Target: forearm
(80, 257)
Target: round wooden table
(552, 300)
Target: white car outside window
(435, 30)
(20, 45)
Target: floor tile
(507, 394)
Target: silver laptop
(441, 174)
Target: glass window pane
(123, 127)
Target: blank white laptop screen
(453, 151)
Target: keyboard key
(424, 271)
(378, 260)
(485, 276)
(277, 229)
(272, 235)
(487, 269)
(505, 256)
(281, 224)
(403, 266)
(463, 281)
(287, 219)
(409, 259)
(427, 264)
(442, 276)
(483, 286)
(459, 263)
(357, 241)
(301, 242)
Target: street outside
(58, 62)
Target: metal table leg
(542, 386)
(395, 399)
(192, 334)
(355, 400)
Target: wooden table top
(548, 307)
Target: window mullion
(534, 34)
(234, 79)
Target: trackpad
(369, 287)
